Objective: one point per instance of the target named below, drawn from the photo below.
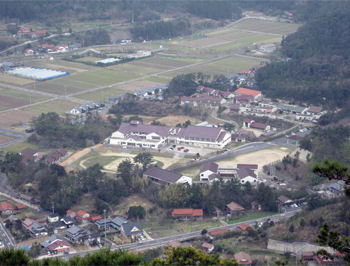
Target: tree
(124, 170)
(182, 85)
(291, 228)
(144, 158)
(191, 256)
(229, 127)
(14, 257)
(136, 212)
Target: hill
(316, 69)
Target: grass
(235, 63)
(159, 79)
(20, 146)
(28, 97)
(250, 216)
(192, 172)
(58, 106)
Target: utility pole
(53, 207)
(104, 211)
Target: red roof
(70, 211)
(218, 232)
(246, 91)
(83, 215)
(233, 206)
(187, 212)
(96, 218)
(244, 227)
(20, 207)
(6, 206)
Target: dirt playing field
(113, 166)
(261, 158)
(79, 154)
(173, 120)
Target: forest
(52, 131)
(316, 66)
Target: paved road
(180, 237)
(246, 148)
(5, 237)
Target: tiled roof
(162, 174)
(233, 206)
(129, 226)
(6, 206)
(244, 227)
(246, 91)
(315, 109)
(258, 125)
(188, 212)
(249, 166)
(209, 166)
(218, 232)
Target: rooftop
(246, 91)
(162, 174)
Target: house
(244, 227)
(307, 256)
(260, 126)
(234, 208)
(208, 247)
(71, 213)
(56, 244)
(131, 229)
(243, 258)
(247, 173)
(111, 224)
(38, 229)
(75, 111)
(138, 135)
(59, 225)
(187, 213)
(53, 217)
(336, 188)
(77, 234)
(6, 208)
(163, 176)
(82, 215)
(96, 218)
(208, 171)
(217, 232)
(68, 221)
(21, 207)
(202, 99)
(313, 110)
(244, 91)
(29, 154)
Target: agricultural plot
(102, 95)
(58, 106)
(161, 63)
(5, 78)
(103, 77)
(5, 139)
(14, 118)
(267, 26)
(13, 99)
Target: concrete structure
(137, 135)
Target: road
(6, 237)
(246, 148)
(181, 237)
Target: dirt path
(79, 154)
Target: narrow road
(5, 237)
(181, 237)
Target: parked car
(186, 150)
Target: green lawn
(250, 216)
(20, 146)
(28, 97)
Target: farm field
(267, 26)
(5, 139)
(15, 118)
(13, 98)
(58, 106)
(10, 79)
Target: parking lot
(182, 150)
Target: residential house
(247, 173)
(53, 217)
(68, 221)
(56, 245)
(234, 208)
(202, 99)
(244, 91)
(214, 92)
(244, 227)
(162, 176)
(187, 213)
(243, 258)
(82, 215)
(111, 224)
(235, 107)
(24, 33)
(6, 208)
(96, 218)
(59, 225)
(208, 247)
(250, 123)
(307, 256)
(217, 232)
(78, 234)
(313, 110)
(131, 229)
(35, 228)
(209, 171)
(71, 213)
